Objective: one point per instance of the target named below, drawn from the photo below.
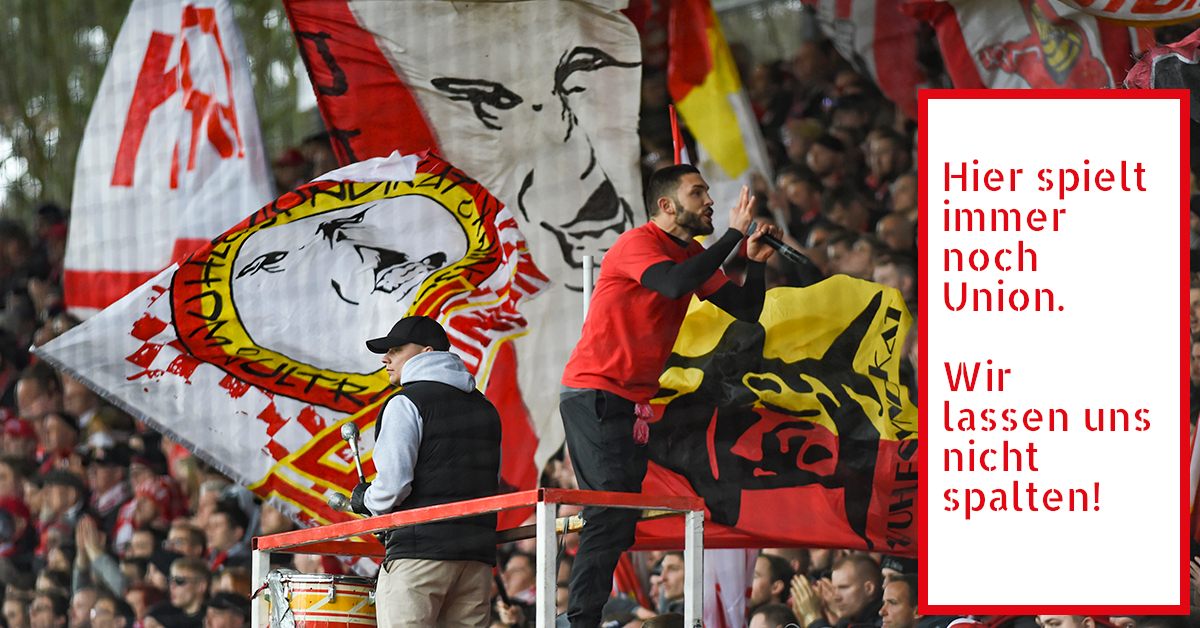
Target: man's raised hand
(741, 215)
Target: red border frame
(1183, 97)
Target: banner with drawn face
(795, 430)
(250, 352)
(538, 100)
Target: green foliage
(52, 58)
(274, 64)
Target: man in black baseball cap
(420, 330)
(893, 567)
(408, 337)
(436, 441)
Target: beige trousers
(414, 593)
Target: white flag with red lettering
(880, 41)
(172, 155)
(727, 577)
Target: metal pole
(693, 569)
(260, 563)
(547, 566)
(587, 283)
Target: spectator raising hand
(806, 603)
(90, 542)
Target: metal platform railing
(332, 539)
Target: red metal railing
(331, 539)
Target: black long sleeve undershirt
(744, 302)
(676, 280)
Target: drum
(313, 600)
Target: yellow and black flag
(795, 430)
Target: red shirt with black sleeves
(630, 329)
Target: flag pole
(587, 282)
(676, 136)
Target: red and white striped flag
(1041, 44)
(172, 154)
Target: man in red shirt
(645, 285)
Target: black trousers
(599, 428)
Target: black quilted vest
(459, 459)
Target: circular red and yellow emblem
(285, 300)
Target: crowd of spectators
(103, 521)
(791, 587)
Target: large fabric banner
(880, 41)
(1020, 44)
(704, 83)
(172, 154)
(250, 352)
(795, 430)
(537, 100)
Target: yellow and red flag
(704, 83)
